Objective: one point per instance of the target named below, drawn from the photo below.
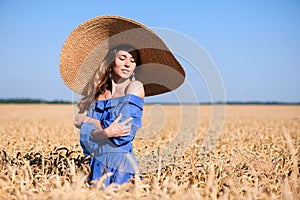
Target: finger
(78, 117)
(118, 118)
(76, 120)
(124, 127)
(129, 125)
(76, 123)
(125, 134)
(129, 119)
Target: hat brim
(87, 45)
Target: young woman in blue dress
(115, 105)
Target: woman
(96, 63)
(112, 96)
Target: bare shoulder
(136, 88)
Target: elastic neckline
(116, 98)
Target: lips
(125, 71)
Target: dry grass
(256, 157)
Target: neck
(119, 86)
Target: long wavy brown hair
(100, 81)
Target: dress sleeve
(87, 143)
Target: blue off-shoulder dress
(112, 155)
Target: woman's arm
(82, 117)
(116, 129)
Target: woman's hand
(118, 129)
(79, 119)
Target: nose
(127, 63)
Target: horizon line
(41, 101)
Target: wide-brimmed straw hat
(88, 44)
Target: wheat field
(256, 155)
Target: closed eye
(122, 58)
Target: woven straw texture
(87, 45)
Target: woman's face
(124, 65)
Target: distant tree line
(40, 101)
(31, 101)
(261, 103)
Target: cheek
(117, 64)
(133, 67)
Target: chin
(125, 76)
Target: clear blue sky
(254, 44)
